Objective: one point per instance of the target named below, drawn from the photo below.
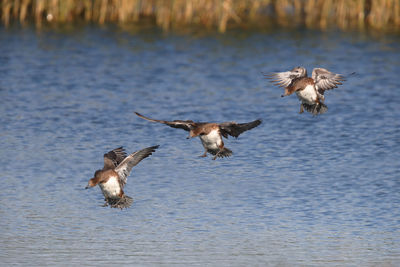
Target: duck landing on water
(309, 90)
(113, 177)
(210, 133)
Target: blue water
(298, 190)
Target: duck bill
(88, 185)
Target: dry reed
(219, 14)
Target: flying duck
(112, 178)
(310, 91)
(210, 134)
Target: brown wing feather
(282, 79)
(235, 129)
(326, 80)
(125, 167)
(186, 125)
(113, 158)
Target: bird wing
(283, 79)
(186, 125)
(125, 167)
(113, 158)
(326, 80)
(235, 129)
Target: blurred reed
(219, 14)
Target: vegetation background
(382, 15)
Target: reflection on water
(298, 189)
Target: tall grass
(219, 14)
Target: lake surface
(298, 191)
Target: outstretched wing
(113, 158)
(283, 79)
(235, 129)
(186, 125)
(326, 80)
(125, 167)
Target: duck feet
(301, 109)
(203, 155)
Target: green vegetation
(219, 14)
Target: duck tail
(319, 108)
(225, 152)
(120, 203)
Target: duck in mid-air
(309, 90)
(210, 134)
(112, 178)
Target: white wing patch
(326, 80)
(283, 79)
